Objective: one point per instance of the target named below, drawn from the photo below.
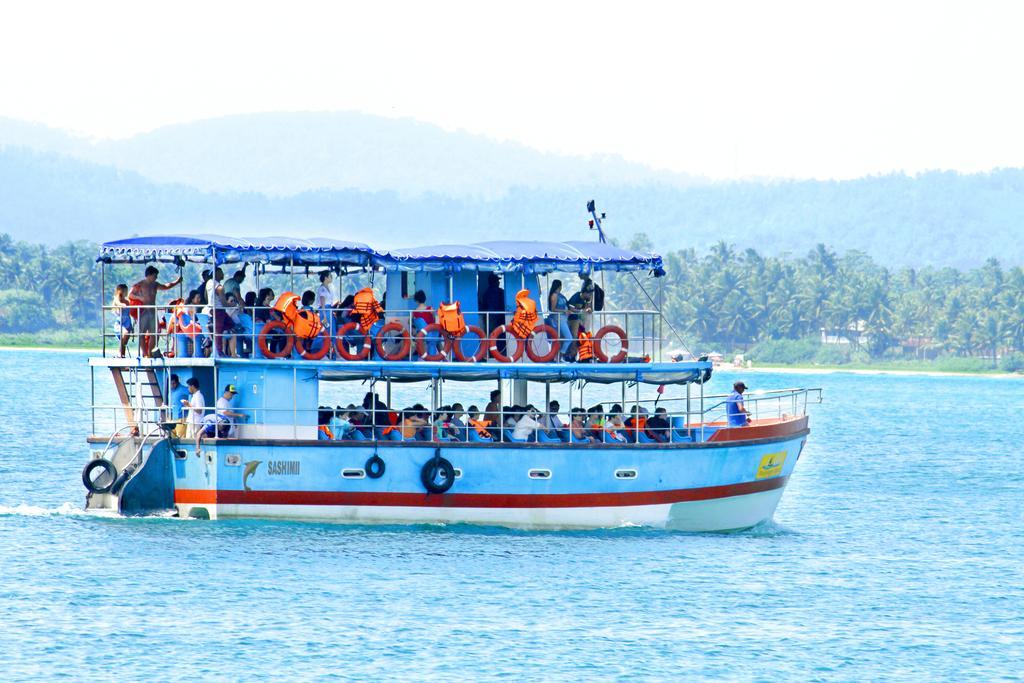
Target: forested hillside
(937, 219)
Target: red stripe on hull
(474, 500)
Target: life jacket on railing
(586, 345)
(184, 322)
(325, 433)
(366, 306)
(305, 324)
(481, 428)
(451, 320)
(525, 316)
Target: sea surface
(897, 553)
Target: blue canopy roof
(223, 249)
(504, 256)
(535, 257)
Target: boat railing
(400, 335)
(693, 423)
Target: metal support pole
(103, 310)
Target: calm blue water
(897, 553)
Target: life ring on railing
(555, 344)
(266, 331)
(482, 345)
(342, 347)
(421, 343)
(492, 342)
(403, 348)
(308, 353)
(624, 342)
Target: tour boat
(703, 475)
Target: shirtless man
(145, 291)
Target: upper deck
(243, 317)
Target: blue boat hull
(692, 487)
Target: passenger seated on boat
(379, 414)
(323, 429)
(526, 425)
(735, 409)
(636, 425)
(595, 421)
(492, 412)
(341, 423)
(441, 424)
(412, 421)
(614, 427)
(578, 430)
(478, 427)
(658, 426)
(550, 422)
(457, 423)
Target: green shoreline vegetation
(775, 310)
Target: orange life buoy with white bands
(482, 345)
(304, 347)
(421, 343)
(364, 351)
(492, 341)
(555, 344)
(623, 342)
(403, 348)
(270, 328)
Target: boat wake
(25, 510)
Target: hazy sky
(725, 89)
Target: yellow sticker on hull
(771, 465)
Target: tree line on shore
(722, 299)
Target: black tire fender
(433, 467)
(375, 467)
(107, 467)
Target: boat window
(625, 474)
(540, 474)
(353, 473)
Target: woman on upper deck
(558, 318)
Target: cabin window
(539, 474)
(625, 474)
(354, 473)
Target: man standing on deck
(145, 291)
(196, 405)
(735, 410)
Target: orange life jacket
(637, 424)
(525, 316)
(481, 428)
(366, 306)
(326, 431)
(449, 317)
(305, 324)
(586, 343)
(191, 327)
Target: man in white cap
(226, 416)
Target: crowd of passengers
(373, 419)
(218, 318)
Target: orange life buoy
(555, 344)
(403, 348)
(421, 343)
(269, 329)
(624, 343)
(364, 351)
(492, 342)
(482, 346)
(305, 346)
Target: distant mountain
(942, 219)
(287, 153)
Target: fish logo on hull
(771, 465)
(250, 469)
